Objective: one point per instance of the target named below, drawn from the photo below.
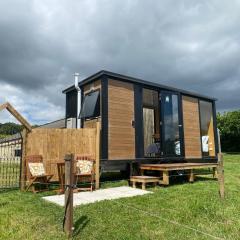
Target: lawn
(9, 173)
(181, 211)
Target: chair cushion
(36, 169)
(84, 166)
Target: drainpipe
(76, 77)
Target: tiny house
(144, 121)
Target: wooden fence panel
(54, 144)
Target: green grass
(9, 173)
(168, 213)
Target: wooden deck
(164, 169)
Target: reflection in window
(171, 125)
(151, 127)
(207, 130)
(91, 106)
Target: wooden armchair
(36, 173)
(85, 166)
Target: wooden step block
(143, 180)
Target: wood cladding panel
(91, 123)
(92, 86)
(191, 124)
(121, 134)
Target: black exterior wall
(104, 116)
(71, 104)
(215, 127)
(181, 124)
(138, 118)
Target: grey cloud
(188, 44)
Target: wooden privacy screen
(191, 125)
(121, 134)
(53, 144)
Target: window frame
(98, 100)
(214, 128)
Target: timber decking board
(177, 166)
(191, 126)
(121, 134)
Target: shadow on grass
(79, 225)
(232, 153)
(201, 178)
(184, 180)
(6, 190)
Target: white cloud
(35, 108)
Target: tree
(229, 126)
(9, 128)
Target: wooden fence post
(68, 217)
(97, 154)
(220, 170)
(23, 161)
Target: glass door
(170, 124)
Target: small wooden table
(143, 180)
(61, 175)
(166, 168)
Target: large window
(71, 104)
(151, 121)
(171, 136)
(91, 106)
(207, 129)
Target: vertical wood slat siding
(191, 124)
(91, 123)
(53, 144)
(121, 134)
(92, 86)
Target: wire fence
(149, 213)
(10, 161)
(11, 173)
(180, 175)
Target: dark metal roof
(134, 80)
(10, 138)
(55, 124)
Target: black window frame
(214, 127)
(162, 93)
(98, 102)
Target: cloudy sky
(194, 45)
